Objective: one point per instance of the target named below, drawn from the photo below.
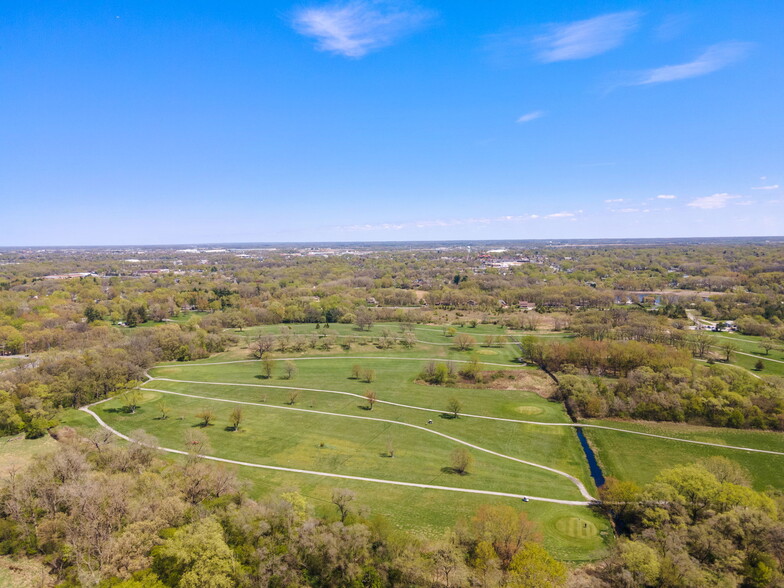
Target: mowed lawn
(394, 380)
(640, 459)
(773, 360)
(572, 533)
(278, 436)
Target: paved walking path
(475, 416)
(591, 500)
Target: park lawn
(555, 447)
(16, 452)
(770, 366)
(773, 362)
(334, 444)
(640, 459)
(749, 343)
(395, 380)
(573, 534)
(434, 334)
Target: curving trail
(474, 416)
(590, 499)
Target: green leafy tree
(533, 567)
(236, 418)
(461, 460)
(196, 556)
(454, 407)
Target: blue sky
(227, 121)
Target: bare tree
(342, 498)
(262, 346)
(364, 320)
(289, 370)
(390, 447)
(369, 376)
(356, 371)
(464, 342)
(196, 443)
(371, 398)
(293, 396)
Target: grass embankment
(639, 459)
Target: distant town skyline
(383, 120)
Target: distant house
(371, 300)
(502, 303)
(526, 306)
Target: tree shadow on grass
(121, 410)
(448, 416)
(451, 470)
(364, 407)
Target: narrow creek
(593, 464)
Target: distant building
(526, 306)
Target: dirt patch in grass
(526, 380)
(534, 381)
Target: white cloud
(772, 187)
(712, 202)
(561, 215)
(610, 200)
(531, 116)
(744, 203)
(666, 197)
(357, 27)
(712, 59)
(586, 38)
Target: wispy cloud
(357, 27)
(712, 202)
(586, 38)
(561, 215)
(666, 197)
(714, 58)
(453, 222)
(531, 116)
(772, 187)
(611, 200)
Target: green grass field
(773, 360)
(273, 434)
(640, 459)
